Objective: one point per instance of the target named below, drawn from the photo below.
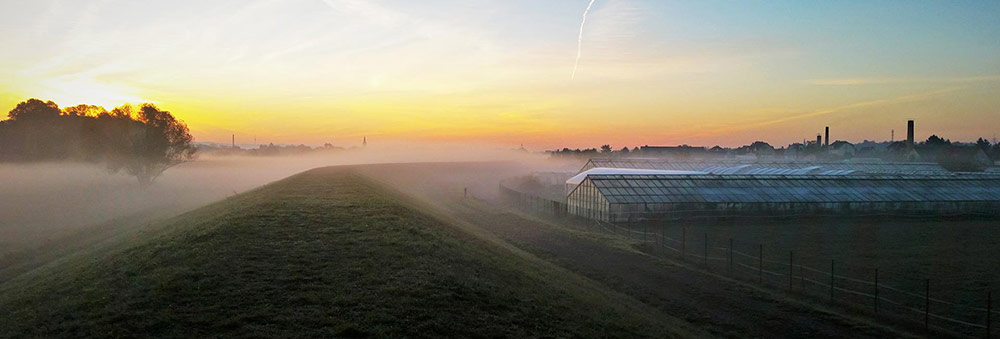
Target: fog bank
(47, 202)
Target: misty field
(323, 253)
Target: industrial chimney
(909, 133)
(819, 140)
(827, 142)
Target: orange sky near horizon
(335, 71)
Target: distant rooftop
(733, 166)
(577, 179)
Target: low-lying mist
(46, 203)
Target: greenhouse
(633, 195)
(729, 166)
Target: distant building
(964, 158)
(753, 165)
(794, 151)
(842, 149)
(679, 152)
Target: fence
(532, 202)
(838, 284)
(748, 262)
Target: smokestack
(234, 140)
(909, 133)
(827, 136)
(819, 140)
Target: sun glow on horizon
(650, 72)
(71, 91)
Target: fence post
(831, 280)
(989, 309)
(730, 257)
(684, 231)
(663, 236)
(760, 265)
(802, 278)
(876, 291)
(927, 302)
(791, 266)
(706, 250)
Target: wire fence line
(830, 283)
(793, 276)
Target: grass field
(320, 254)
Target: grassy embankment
(324, 253)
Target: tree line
(142, 141)
(954, 156)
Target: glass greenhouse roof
(626, 189)
(771, 168)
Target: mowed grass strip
(326, 253)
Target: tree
(935, 140)
(39, 133)
(148, 145)
(34, 109)
(983, 145)
(624, 150)
(84, 110)
(605, 148)
(758, 146)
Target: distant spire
(364, 141)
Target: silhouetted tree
(146, 146)
(84, 111)
(935, 140)
(758, 146)
(34, 109)
(605, 148)
(35, 131)
(984, 145)
(142, 142)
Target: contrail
(579, 40)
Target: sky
(649, 73)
